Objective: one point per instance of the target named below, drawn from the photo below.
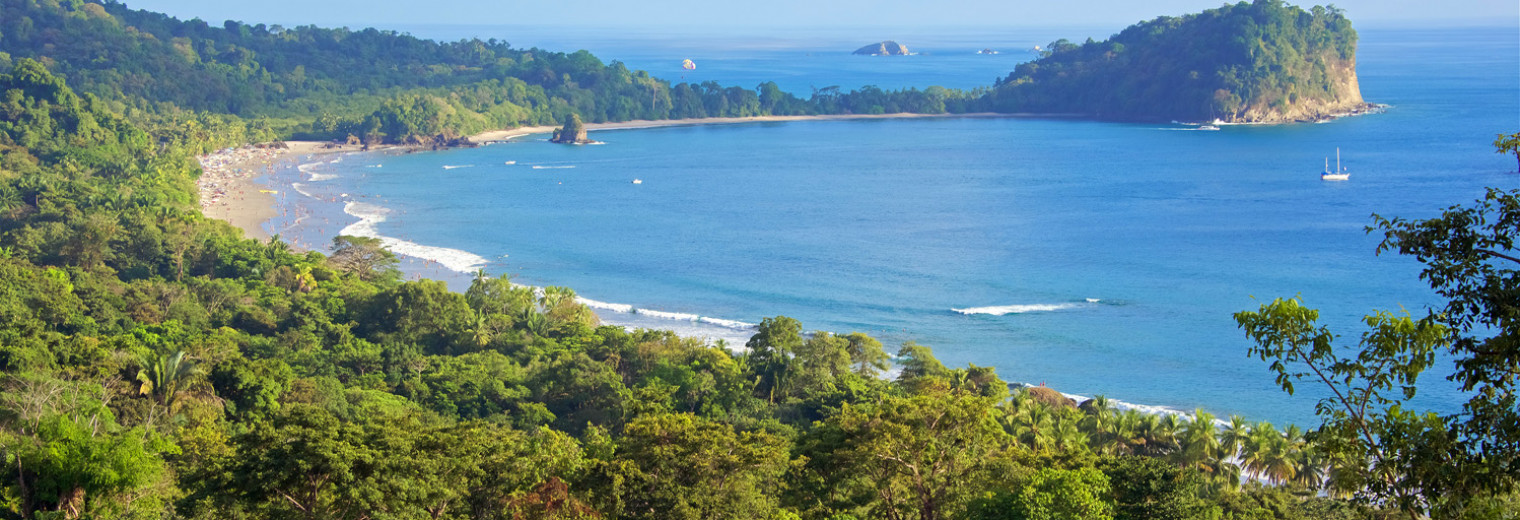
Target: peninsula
(1259, 62)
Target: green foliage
(682, 466)
(1508, 145)
(1238, 61)
(1059, 494)
(1363, 416)
(157, 364)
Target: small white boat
(638, 181)
(509, 163)
(1340, 174)
(1208, 127)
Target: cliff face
(886, 48)
(1344, 96)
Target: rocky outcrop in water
(574, 132)
(886, 48)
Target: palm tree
(1233, 438)
(1031, 423)
(1067, 436)
(1124, 436)
(1268, 454)
(1197, 443)
(164, 375)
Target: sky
(791, 13)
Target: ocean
(1091, 257)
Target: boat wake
(453, 166)
(371, 215)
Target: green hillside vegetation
(1259, 61)
(381, 85)
(155, 365)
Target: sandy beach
(227, 188)
(502, 135)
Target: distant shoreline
(244, 204)
(505, 134)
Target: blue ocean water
(1093, 257)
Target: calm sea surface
(1096, 258)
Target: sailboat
(1340, 174)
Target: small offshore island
(886, 48)
(159, 363)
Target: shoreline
(230, 192)
(256, 208)
(232, 188)
(503, 135)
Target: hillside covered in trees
(379, 85)
(157, 365)
(1264, 61)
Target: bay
(1093, 257)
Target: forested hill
(1265, 61)
(379, 85)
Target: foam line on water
(301, 188)
(614, 307)
(1000, 310)
(543, 167)
(1147, 409)
(623, 308)
(453, 166)
(371, 215)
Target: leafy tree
(683, 466)
(1060, 494)
(867, 355)
(1508, 145)
(363, 257)
(911, 456)
(1363, 418)
(775, 341)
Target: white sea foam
(667, 315)
(1147, 409)
(732, 324)
(453, 166)
(543, 167)
(373, 165)
(319, 177)
(1093, 300)
(370, 215)
(614, 307)
(301, 188)
(1000, 310)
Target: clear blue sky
(809, 13)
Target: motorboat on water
(1340, 174)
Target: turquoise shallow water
(1097, 258)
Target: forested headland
(1264, 61)
(156, 364)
